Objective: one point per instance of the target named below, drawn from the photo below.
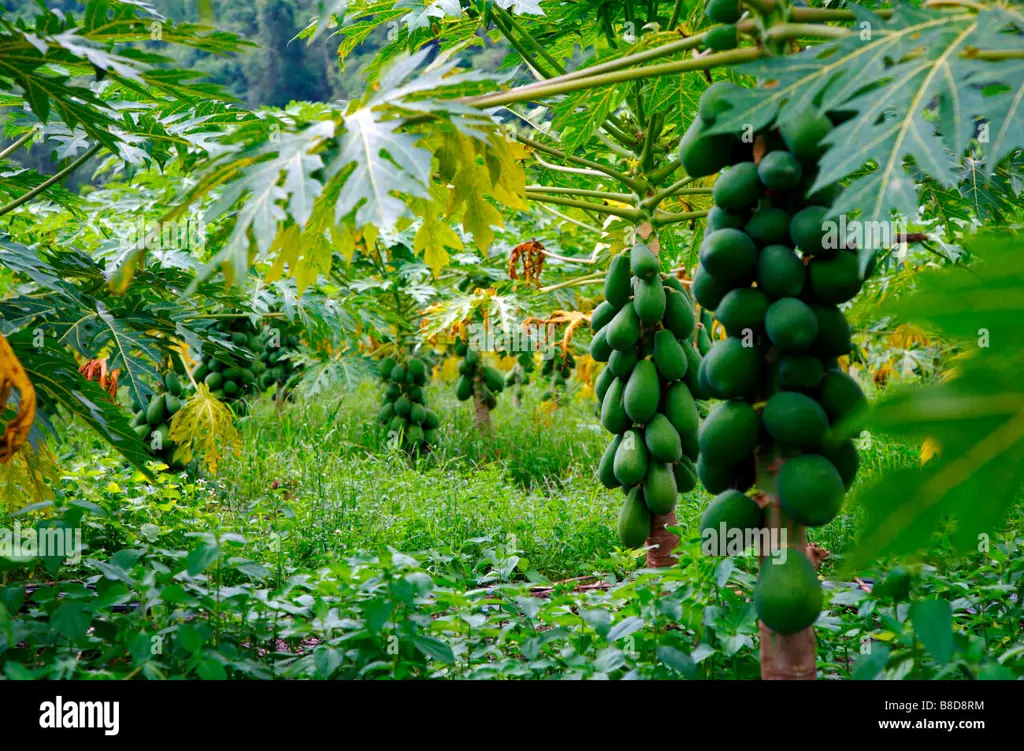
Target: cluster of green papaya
(404, 411)
(642, 330)
(784, 333)
(232, 377)
(473, 375)
(557, 368)
(520, 374)
(277, 354)
(152, 421)
(727, 12)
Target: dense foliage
(253, 258)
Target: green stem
(803, 30)
(663, 172)
(558, 86)
(631, 214)
(650, 138)
(25, 198)
(518, 46)
(623, 197)
(673, 20)
(511, 21)
(823, 15)
(17, 145)
(635, 185)
(666, 217)
(652, 203)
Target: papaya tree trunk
(784, 657)
(661, 556)
(480, 411)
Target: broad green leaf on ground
(933, 625)
(976, 418)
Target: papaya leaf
(975, 419)
(204, 426)
(29, 477)
(58, 384)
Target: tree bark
(661, 556)
(788, 657)
(480, 411)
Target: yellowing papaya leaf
(28, 477)
(434, 236)
(204, 426)
(12, 374)
(929, 449)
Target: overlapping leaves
(976, 419)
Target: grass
(317, 541)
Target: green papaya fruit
(662, 440)
(734, 510)
(721, 38)
(800, 372)
(808, 231)
(768, 225)
(743, 310)
(810, 490)
(602, 315)
(779, 170)
(681, 409)
(787, 596)
(624, 330)
(686, 475)
(631, 459)
(791, 325)
(600, 349)
(417, 414)
(730, 433)
(738, 187)
(729, 255)
(602, 382)
(678, 318)
(617, 287)
(844, 458)
(702, 154)
(402, 406)
(835, 280)
(780, 272)
(649, 300)
(634, 523)
(622, 362)
(723, 11)
(613, 411)
(707, 289)
(493, 379)
(605, 468)
(712, 101)
(642, 262)
(834, 338)
(669, 357)
(795, 420)
(385, 414)
(156, 412)
(464, 388)
(733, 368)
(660, 491)
(642, 392)
(803, 133)
(842, 399)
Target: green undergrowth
(319, 553)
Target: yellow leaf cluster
(28, 476)
(204, 426)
